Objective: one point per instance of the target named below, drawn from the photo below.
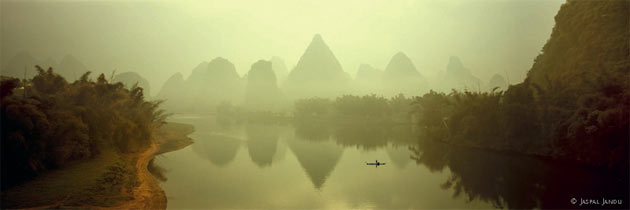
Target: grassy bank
(103, 181)
(108, 180)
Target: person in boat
(376, 163)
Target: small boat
(375, 164)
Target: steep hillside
(367, 81)
(580, 82)
(459, 77)
(129, 79)
(317, 73)
(280, 68)
(262, 92)
(401, 76)
(590, 38)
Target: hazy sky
(159, 38)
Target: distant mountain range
(401, 76)
(317, 73)
(262, 92)
(70, 68)
(367, 80)
(24, 63)
(459, 77)
(129, 79)
(280, 69)
(497, 81)
(209, 84)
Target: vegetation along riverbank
(84, 144)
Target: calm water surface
(316, 166)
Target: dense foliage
(594, 133)
(228, 115)
(351, 108)
(573, 105)
(47, 122)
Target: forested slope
(573, 105)
(48, 122)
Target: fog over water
(372, 104)
(159, 38)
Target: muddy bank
(170, 137)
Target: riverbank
(149, 195)
(173, 137)
(109, 181)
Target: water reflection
(519, 182)
(312, 131)
(326, 170)
(157, 171)
(262, 142)
(364, 136)
(400, 156)
(217, 148)
(403, 134)
(317, 149)
(318, 153)
(317, 158)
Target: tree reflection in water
(366, 136)
(501, 179)
(312, 131)
(519, 182)
(157, 171)
(318, 153)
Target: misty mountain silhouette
(172, 91)
(367, 80)
(219, 73)
(280, 68)
(16, 65)
(220, 82)
(261, 92)
(459, 77)
(209, 84)
(497, 81)
(318, 73)
(131, 78)
(71, 68)
(401, 76)
(198, 72)
(172, 86)
(368, 73)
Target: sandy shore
(148, 195)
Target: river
(317, 166)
